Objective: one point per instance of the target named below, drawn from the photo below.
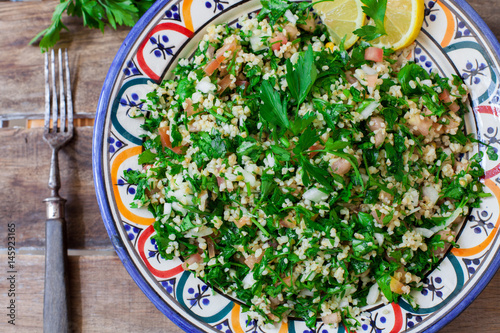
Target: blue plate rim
(495, 263)
(99, 184)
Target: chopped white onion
(256, 42)
(427, 233)
(306, 293)
(248, 281)
(176, 206)
(344, 303)
(249, 178)
(200, 231)
(368, 70)
(269, 161)
(205, 86)
(315, 195)
(368, 111)
(379, 238)
(449, 220)
(167, 209)
(373, 294)
(431, 193)
(290, 17)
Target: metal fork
(56, 133)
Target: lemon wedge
(342, 17)
(403, 21)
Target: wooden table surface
(104, 298)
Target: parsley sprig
(95, 14)
(301, 77)
(376, 10)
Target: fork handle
(55, 304)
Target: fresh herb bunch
(95, 14)
(241, 169)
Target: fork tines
(58, 115)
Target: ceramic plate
(453, 40)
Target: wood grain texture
(488, 10)
(103, 298)
(25, 162)
(90, 55)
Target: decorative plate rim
(495, 263)
(104, 206)
(97, 170)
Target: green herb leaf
(273, 110)
(301, 77)
(376, 10)
(95, 14)
(384, 283)
(147, 157)
(273, 9)
(310, 171)
(409, 73)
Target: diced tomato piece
(351, 79)
(278, 41)
(291, 31)
(454, 107)
(245, 220)
(288, 281)
(332, 318)
(373, 53)
(251, 260)
(371, 80)
(219, 57)
(287, 223)
(310, 24)
(341, 166)
(445, 96)
(220, 181)
(315, 146)
(165, 140)
(189, 107)
(224, 83)
(242, 83)
(210, 52)
(226, 47)
(212, 66)
(191, 260)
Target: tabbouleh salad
(304, 179)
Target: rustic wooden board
(103, 298)
(21, 65)
(488, 10)
(25, 162)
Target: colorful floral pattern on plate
(453, 41)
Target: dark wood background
(104, 297)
